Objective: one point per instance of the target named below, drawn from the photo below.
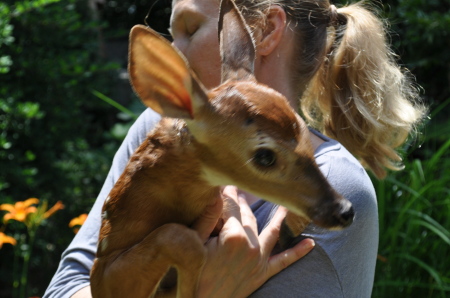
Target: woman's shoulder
(342, 170)
(144, 124)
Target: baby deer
(241, 133)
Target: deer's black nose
(336, 216)
(347, 216)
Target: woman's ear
(269, 36)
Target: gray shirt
(341, 265)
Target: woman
(335, 66)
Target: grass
(414, 209)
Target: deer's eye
(249, 121)
(264, 158)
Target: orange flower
(20, 210)
(78, 221)
(58, 206)
(6, 239)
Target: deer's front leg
(138, 271)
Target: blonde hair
(350, 85)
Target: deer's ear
(237, 48)
(161, 76)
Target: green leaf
(114, 104)
(424, 266)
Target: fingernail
(232, 190)
(309, 243)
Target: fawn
(241, 133)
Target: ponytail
(359, 95)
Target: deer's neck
(162, 183)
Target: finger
(207, 221)
(231, 203)
(248, 218)
(248, 221)
(286, 258)
(270, 235)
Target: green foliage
(414, 224)
(420, 34)
(120, 16)
(6, 37)
(54, 138)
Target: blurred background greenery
(57, 138)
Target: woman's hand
(239, 260)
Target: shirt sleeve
(76, 261)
